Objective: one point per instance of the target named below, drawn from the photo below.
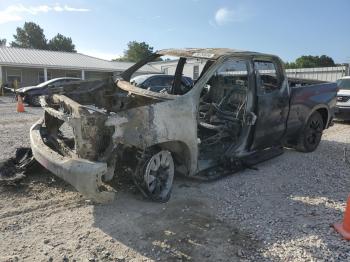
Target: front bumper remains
(84, 175)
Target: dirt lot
(280, 212)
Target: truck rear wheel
(311, 135)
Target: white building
(31, 66)
(192, 68)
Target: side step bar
(227, 168)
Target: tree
(136, 51)
(3, 42)
(30, 36)
(311, 61)
(61, 43)
(326, 61)
(290, 65)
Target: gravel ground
(280, 212)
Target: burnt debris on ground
(15, 168)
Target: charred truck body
(240, 111)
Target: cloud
(170, 29)
(5, 18)
(225, 16)
(16, 12)
(72, 9)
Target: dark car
(161, 83)
(31, 94)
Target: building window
(13, 75)
(195, 72)
(41, 77)
(72, 74)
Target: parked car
(343, 99)
(161, 82)
(31, 94)
(240, 111)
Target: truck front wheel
(154, 175)
(311, 135)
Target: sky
(288, 28)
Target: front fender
(159, 123)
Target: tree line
(309, 61)
(136, 51)
(32, 35)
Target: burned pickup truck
(240, 111)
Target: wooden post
(45, 74)
(15, 84)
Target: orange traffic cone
(343, 228)
(20, 106)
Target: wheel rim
(36, 100)
(159, 175)
(314, 132)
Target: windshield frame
(344, 81)
(125, 77)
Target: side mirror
(50, 86)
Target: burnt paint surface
(168, 121)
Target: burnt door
(272, 104)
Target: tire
(154, 175)
(311, 135)
(34, 101)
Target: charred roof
(207, 53)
